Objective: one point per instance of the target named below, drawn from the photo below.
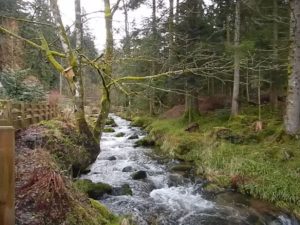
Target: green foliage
(15, 86)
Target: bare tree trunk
(171, 33)
(106, 74)
(154, 55)
(73, 73)
(273, 89)
(127, 36)
(236, 80)
(292, 117)
(228, 30)
(79, 91)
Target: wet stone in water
(127, 169)
(111, 158)
(139, 175)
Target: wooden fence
(21, 115)
(14, 116)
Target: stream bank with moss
(48, 157)
(229, 153)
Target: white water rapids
(156, 199)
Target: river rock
(111, 158)
(139, 175)
(121, 134)
(85, 171)
(110, 121)
(108, 130)
(175, 180)
(127, 169)
(123, 190)
(94, 190)
(134, 136)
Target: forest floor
(45, 193)
(230, 153)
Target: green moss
(108, 130)
(66, 146)
(91, 213)
(146, 142)
(141, 121)
(110, 121)
(182, 167)
(94, 190)
(213, 188)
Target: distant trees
(237, 49)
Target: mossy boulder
(110, 122)
(146, 142)
(94, 190)
(121, 134)
(108, 130)
(92, 213)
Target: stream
(165, 197)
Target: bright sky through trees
(96, 20)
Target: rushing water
(165, 198)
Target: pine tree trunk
(292, 117)
(236, 80)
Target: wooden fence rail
(21, 115)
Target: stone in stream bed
(127, 169)
(112, 158)
(175, 180)
(110, 121)
(121, 134)
(93, 190)
(123, 190)
(139, 175)
(134, 136)
(108, 130)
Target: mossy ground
(263, 164)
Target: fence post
(7, 175)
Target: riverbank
(230, 153)
(48, 155)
